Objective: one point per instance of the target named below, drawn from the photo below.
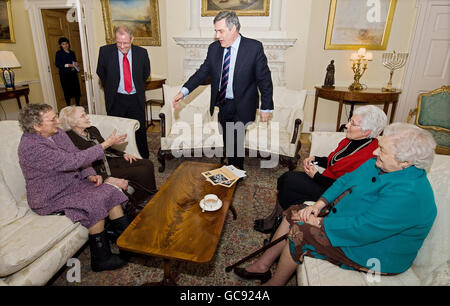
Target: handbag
(135, 204)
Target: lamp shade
(8, 60)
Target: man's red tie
(126, 74)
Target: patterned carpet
(254, 198)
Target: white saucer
(216, 207)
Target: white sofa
(190, 131)
(32, 247)
(432, 264)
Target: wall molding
(274, 48)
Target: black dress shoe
(263, 277)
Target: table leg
(386, 108)
(233, 211)
(394, 107)
(315, 111)
(341, 102)
(168, 279)
(18, 101)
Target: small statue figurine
(329, 78)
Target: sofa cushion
(26, 239)
(436, 247)
(197, 101)
(9, 211)
(439, 276)
(317, 272)
(262, 138)
(184, 135)
(10, 134)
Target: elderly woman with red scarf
(296, 187)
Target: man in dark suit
(237, 67)
(123, 69)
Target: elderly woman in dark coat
(59, 179)
(117, 167)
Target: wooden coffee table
(173, 226)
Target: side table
(152, 84)
(16, 92)
(345, 96)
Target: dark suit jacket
(108, 71)
(250, 74)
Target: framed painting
(141, 16)
(241, 7)
(6, 22)
(354, 24)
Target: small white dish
(204, 208)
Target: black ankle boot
(116, 227)
(101, 257)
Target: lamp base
(356, 86)
(8, 78)
(388, 89)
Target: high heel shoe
(263, 277)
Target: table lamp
(358, 58)
(7, 61)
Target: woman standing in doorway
(67, 64)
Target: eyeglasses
(55, 119)
(352, 123)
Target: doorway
(56, 25)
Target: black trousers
(233, 136)
(296, 187)
(128, 106)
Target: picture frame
(354, 24)
(141, 16)
(6, 22)
(240, 7)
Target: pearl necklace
(335, 160)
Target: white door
(428, 66)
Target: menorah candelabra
(393, 61)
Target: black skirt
(70, 84)
(296, 187)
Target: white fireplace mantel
(274, 48)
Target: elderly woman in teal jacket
(385, 211)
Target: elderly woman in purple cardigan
(60, 180)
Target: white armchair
(280, 136)
(191, 131)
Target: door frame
(85, 19)
(408, 99)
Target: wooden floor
(304, 137)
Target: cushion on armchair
(190, 126)
(107, 124)
(275, 136)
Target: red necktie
(126, 74)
